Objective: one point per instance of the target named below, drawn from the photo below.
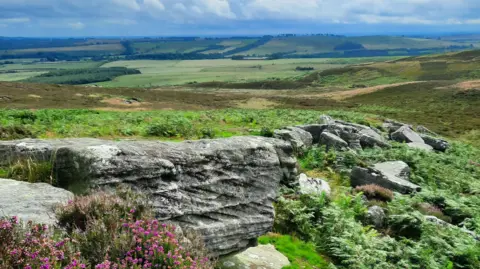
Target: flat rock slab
(261, 257)
(422, 146)
(365, 176)
(313, 185)
(29, 201)
(222, 188)
(407, 135)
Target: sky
(71, 18)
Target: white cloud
(76, 25)
(15, 20)
(121, 21)
(154, 4)
(130, 4)
(179, 6)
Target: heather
(99, 231)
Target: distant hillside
(284, 46)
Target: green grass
(325, 44)
(173, 125)
(160, 73)
(302, 255)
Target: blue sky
(235, 17)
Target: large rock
(29, 201)
(443, 223)
(376, 217)
(221, 188)
(325, 119)
(436, 143)
(299, 138)
(396, 168)
(421, 146)
(392, 126)
(407, 135)
(332, 141)
(313, 185)
(260, 257)
(315, 130)
(388, 177)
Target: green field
(325, 44)
(161, 73)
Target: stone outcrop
(391, 175)
(332, 141)
(407, 135)
(440, 222)
(221, 188)
(337, 133)
(436, 143)
(29, 201)
(376, 217)
(315, 130)
(260, 257)
(422, 146)
(299, 138)
(313, 185)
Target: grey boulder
(376, 217)
(28, 201)
(313, 185)
(397, 168)
(436, 143)
(299, 138)
(332, 141)
(407, 135)
(385, 175)
(222, 188)
(325, 119)
(315, 130)
(439, 222)
(260, 257)
(421, 146)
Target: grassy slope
(159, 73)
(322, 44)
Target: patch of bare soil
(257, 103)
(123, 102)
(342, 95)
(468, 85)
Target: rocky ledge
(221, 188)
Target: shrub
(118, 231)
(32, 171)
(32, 246)
(432, 210)
(375, 192)
(171, 127)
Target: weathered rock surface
(440, 222)
(376, 217)
(392, 126)
(388, 177)
(315, 130)
(313, 185)
(325, 119)
(261, 257)
(332, 141)
(436, 143)
(420, 146)
(29, 201)
(299, 138)
(221, 188)
(407, 135)
(356, 136)
(397, 168)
